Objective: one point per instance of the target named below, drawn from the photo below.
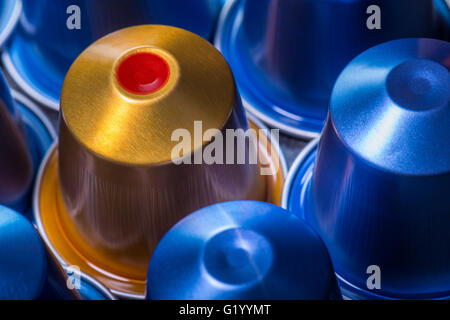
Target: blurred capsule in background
(25, 135)
(377, 187)
(52, 34)
(9, 16)
(286, 55)
(110, 189)
(241, 250)
(443, 8)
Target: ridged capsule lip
(47, 212)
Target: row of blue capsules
(287, 55)
(374, 192)
(376, 186)
(30, 271)
(245, 247)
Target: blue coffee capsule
(241, 250)
(25, 136)
(51, 34)
(22, 258)
(376, 187)
(26, 273)
(9, 16)
(30, 272)
(286, 55)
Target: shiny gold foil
(111, 191)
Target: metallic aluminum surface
(112, 190)
(52, 34)
(28, 271)
(22, 258)
(16, 166)
(286, 55)
(377, 187)
(241, 250)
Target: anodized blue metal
(43, 48)
(23, 262)
(9, 16)
(27, 269)
(378, 192)
(241, 250)
(286, 55)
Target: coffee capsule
(51, 34)
(146, 117)
(27, 273)
(241, 250)
(286, 55)
(376, 187)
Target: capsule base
(297, 183)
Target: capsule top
(23, 264)
(127, 93)
(240, 250)
(391, 106)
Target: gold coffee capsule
(129, 163)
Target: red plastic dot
(143, 73)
